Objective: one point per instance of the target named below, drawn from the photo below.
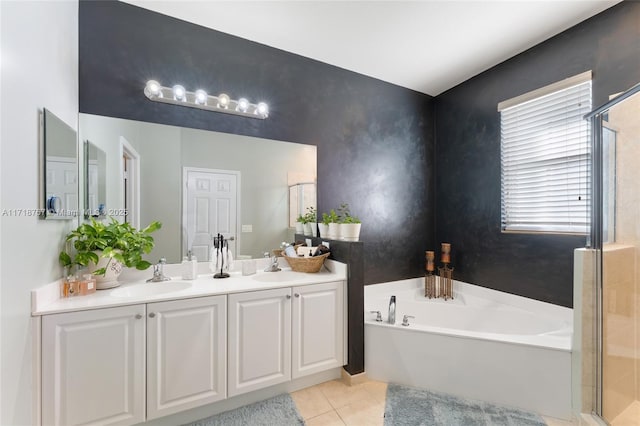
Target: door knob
(138, 316)
(297, 295)
(288, 296)
(152, 315)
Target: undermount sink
(150, 289)
(274, 277)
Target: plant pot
(350, 231)
(314, 229)
(307, 228)
(324, 230)
(334, 231)
(299, 228)
(110, 278)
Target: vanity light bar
(178, 95)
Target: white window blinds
(545, 154)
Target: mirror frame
(46, 209)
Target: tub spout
(392, 310)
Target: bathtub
(483, 344)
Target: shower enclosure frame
(595, 241)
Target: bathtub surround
(412, 406)
(520, 346)
(584, 332)
(279, 410)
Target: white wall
(39, 46)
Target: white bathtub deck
(519, 370)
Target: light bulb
(263, 109)
(201, 97)
(243, 105)
(179, 93)
(153, 89)
(223, 100)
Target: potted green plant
(349, 225)
(310, 226)
(323, 226)
(104, 248)
(334, 220)
(300, 224)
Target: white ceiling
(427, 46)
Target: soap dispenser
(186, 268)
(189, 267)
(194, 265)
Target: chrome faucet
(392, 310)
(273, 263)
(158, 272)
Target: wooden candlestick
(446, 253)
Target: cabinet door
(93, 367)
(186, 354)
(318, 328)
(259, 339)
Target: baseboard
(355, 379)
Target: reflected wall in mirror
(59, 168)
(199, 183)
(302, 196)
(95, 181)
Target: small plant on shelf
(349, 225)
(310, 216)
(333, 216)
(345, 214)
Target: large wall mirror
(95, 181)
(59, 168)
(197, 183)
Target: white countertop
(46, 299)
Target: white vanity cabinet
(317, 328)
(276, 335)
(93, 367)
(259, 339)
(186, 354)
(102, 363)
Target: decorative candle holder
(445, 289)
(446, 253)
(429, 278)
(445, 281)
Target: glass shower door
(618, 242)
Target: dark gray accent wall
(468, 154)
(374, 139)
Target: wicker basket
(307, 264)
(280, 252)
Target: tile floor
(336, 404)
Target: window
(545, 152)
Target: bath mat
(408, 406)
(279, 410)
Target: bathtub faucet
(392, 310)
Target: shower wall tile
(583, 354)
(619, 328)
(623, 119)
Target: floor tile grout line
(343, 420)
